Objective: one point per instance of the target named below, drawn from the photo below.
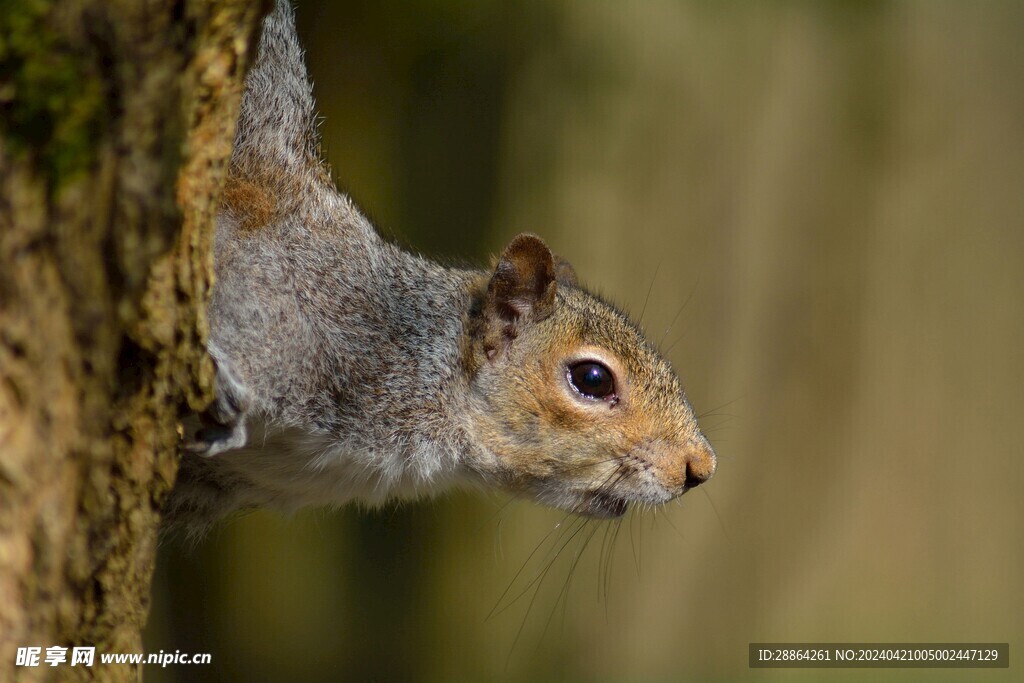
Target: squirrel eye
(591, 379)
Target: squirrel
(350, 370)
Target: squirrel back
(351, 370)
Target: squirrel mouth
(603, 506)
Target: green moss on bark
(51, 103)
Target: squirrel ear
(523, 283)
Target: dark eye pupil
(592, 379)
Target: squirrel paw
(222, 426)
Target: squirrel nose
(701, 463)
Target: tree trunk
(116, 121)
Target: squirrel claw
(213, 439)
(223, 424)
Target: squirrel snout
(682, 465)
(699, 462)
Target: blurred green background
(825, 202)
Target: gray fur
(277, 120)
(309, 316)
(350, 370)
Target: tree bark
(116, 122)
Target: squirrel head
(570, 402)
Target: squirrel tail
(276, 136)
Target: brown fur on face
(587, 455)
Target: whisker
(583, 522)
(671, 346)
(578, 524)
(563, 594)
(632, 544)
(536, 592)
(668, 518)
(675, 318)
(497, 513)
(649, 290)
(572, 571)
(601, 559)
(708, 413)
(608, 568)
(714, 509)
(523, 567)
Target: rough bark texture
(116, 120)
